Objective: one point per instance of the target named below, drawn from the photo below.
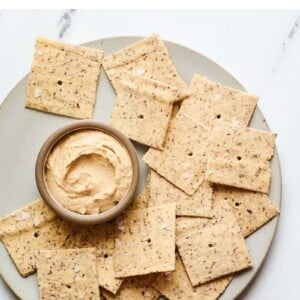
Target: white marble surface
(260, 48)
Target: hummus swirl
(88, 171)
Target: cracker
(197, 205)
(211, 102)
(145, 241)
(63, 79)
(143, 109)
(240, 157)
(176, 285)
(184, 158)
(211, 248)
(141, 200)
(148, 58)
(29, 229)
(137, 288)
(101, 237)
(67, 274)
(251, 209)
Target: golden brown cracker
(240, 157)
(145, 241)
(63, 79)
(183, 160)
(211, 102)
(67, 274)
(211, 248)
(148, 58)
(251, 209)
(143, 109)
(197, 205)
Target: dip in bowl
(87, 172)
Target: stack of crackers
(207, 188)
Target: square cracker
(211, 248)
(240, 157)
(148, 58)
(197, 205)
(101, 237)
(183, 160)
(211, 102)
(251, 209)
(29, 229)
(63, 79)
(145, 241)
(176, 285)
(135, 288)
(67, 274)
(143, 109)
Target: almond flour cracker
(63, 79)
(211, 248)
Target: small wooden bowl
(63, 212)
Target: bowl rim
(60, 210)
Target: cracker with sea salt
(211, 248)
(197, 205)
(240, 157)
(143, 109)
(101, 237)
(137, 288)
(29, 229)
(145, 241)
(67, 274)
(251, 209)
(148, 57)
(177, 286)
(211, 102)
(183, 160)
(63, 79)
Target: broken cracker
(149, 234)
(211, 248)
(101, 237)
(183, 160)
(251, 209)
(143, 109)
(240, 157)
(211, 102)
(29, 229)
(177, 286)
(63, 79)
(137, 288)
(148, 58)
(197, 205)
(67, 274)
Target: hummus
(88, 171)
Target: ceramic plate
(23, 131)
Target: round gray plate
(23, 131)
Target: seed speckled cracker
(143, 109)
(101, 237)
(148, 58)
(68, 274)
(183, 160)
(240, 157)
(177, 286)
(211, 102)
(63, 79)
(135, 288)
(29, 229)
(197, 205)
(211, 248)
(145, 241)
(251, 209)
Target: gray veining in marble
(65, 22)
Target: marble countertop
(260, 48)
